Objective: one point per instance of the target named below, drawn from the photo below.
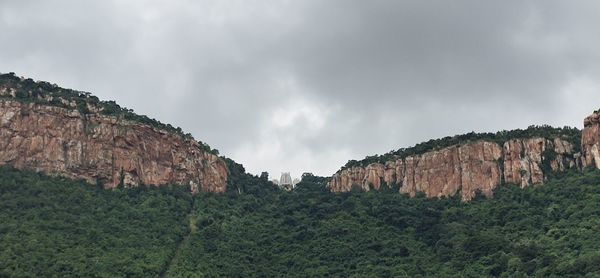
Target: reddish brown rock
(400, 171)
(103, 149)
(566, 158)
(523, 159)
(389, 176)
(374, 175)
(468, 168)
(435, 173)
(480, 171)
(590, 141)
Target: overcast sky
(305, 85)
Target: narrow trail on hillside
(192, 219)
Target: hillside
(476, 162)
(64, 132)
(177, 209)
(536, 231)
(55, 227)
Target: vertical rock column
(590, 141)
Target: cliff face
(467, 168)
(103, 149)
(590, 141)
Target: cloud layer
(307, 85)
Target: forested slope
(54, 227)
(549, 230)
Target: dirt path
(184, 242)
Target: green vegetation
(544, 231)
(41, 92)
(54, 227)
(570, 134)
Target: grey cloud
(306, 85)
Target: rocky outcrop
(467, 168)
(103, 149)
(523, 159)
(590, 141)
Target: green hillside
(54, 227)
(51, 227)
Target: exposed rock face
(103, 149)
(469, 168)
(590, 141)
(480, 171)
(523, 159)
(432, 173)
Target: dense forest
(52, 227)
(55, 227)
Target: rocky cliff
(102, 149)
(467, 168)
(590, 141)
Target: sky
(306, 85)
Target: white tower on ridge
(285, 181)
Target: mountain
(70, 133)
(177, 209)
(56, 227)
(59, 131)
(472, 163)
